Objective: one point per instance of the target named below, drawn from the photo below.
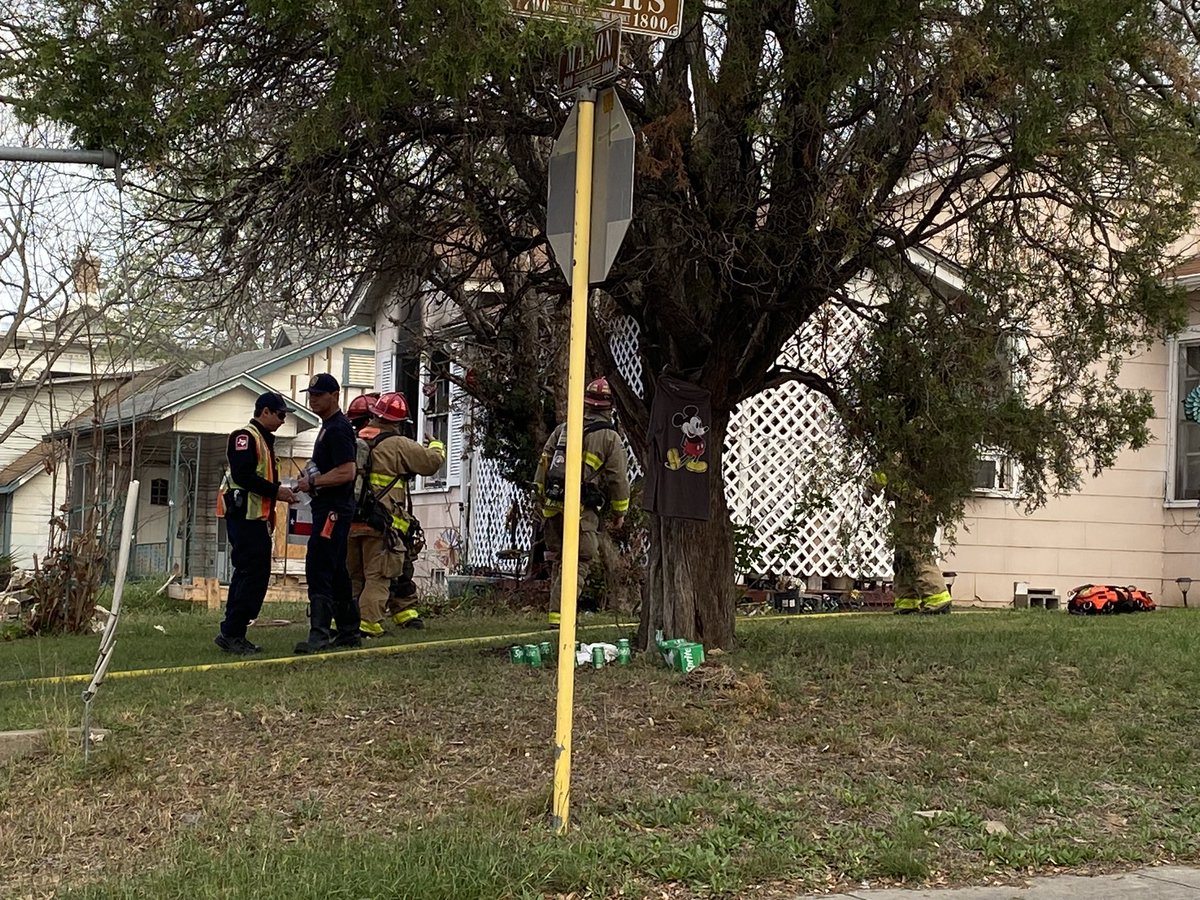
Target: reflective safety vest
(257, 506)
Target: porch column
(172, 504)
(195, 504)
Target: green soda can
(533, 656)
(597, 657)
(624, 653)
(516, 655)
(547, 650)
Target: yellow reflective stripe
(437, 445)
(401, 525)
(592, 460)
(620, 505)
(383, 480)
(405, 615)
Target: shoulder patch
(242, 442)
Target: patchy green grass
(823, 752)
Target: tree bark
(688, 591)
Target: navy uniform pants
(330, 595)
(250, 545)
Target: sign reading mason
(593, 63)
(658, 18)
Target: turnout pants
(371, 565)
(589, 525)
(402, 595)
(250, 546)
(330, 595)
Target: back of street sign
(612, 187)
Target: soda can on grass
(597, 657)
(533, 656)
(624, 653)
(516, 655)
(547, 650)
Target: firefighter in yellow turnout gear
(918, 585)
(605, 486)
(383, 523)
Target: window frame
(1007, 469)
(1174, 415)
(352, 353)
(163, 484)
(440, 483)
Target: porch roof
(24, 467)
(163, 400)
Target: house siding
(1117, 529)
(32, 505)
(34, 502)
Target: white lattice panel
(492, 500)
(779, 444)
(781, 455)
(624, 345)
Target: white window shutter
(456, 437)
(385, 379)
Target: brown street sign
(657, 18)
(593, 63)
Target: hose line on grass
(375, 651)
(292, 660)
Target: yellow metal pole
(581, 242)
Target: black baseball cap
(323, 383)
(272, 401)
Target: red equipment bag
(1103, 599)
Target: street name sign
(591, 63)
(657, 18)
(612, 187)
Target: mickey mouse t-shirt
(677, 482)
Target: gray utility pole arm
(106, 159)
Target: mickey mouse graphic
(692, 430)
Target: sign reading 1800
(660, 18)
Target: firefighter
(382, 536)
(605, 486)
(246, 501)
(918, 585)
(359, 410)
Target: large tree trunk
(688, 591)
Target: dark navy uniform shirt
(335, 445)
